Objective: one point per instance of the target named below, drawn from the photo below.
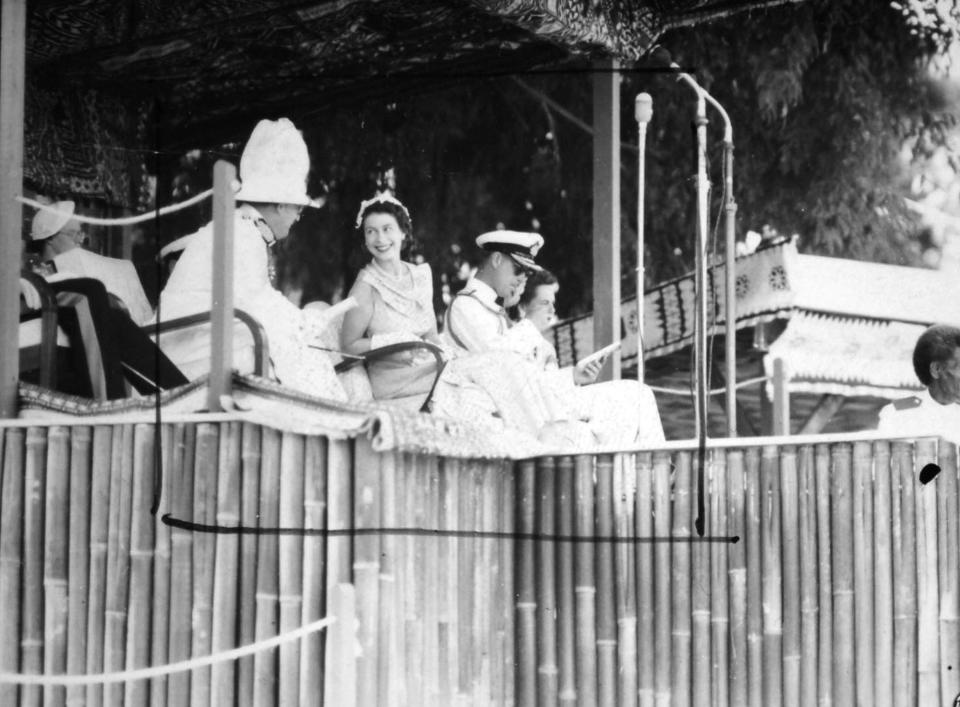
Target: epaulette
(907, 403)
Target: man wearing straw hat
(273, 173)
(60, 238)
(936, 410)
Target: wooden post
(221, 316)
(13, 21)
(606, 210)
(781, 398)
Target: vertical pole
(643, 111)
(13, 22)
(221, 316)
(606, 210)
(781, 398)
(730, 301)
(700, 317)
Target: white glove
(30, 294)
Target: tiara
(383, 197)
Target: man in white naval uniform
(936, 410)
(273, 173)
(618, 412)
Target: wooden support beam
(826, 408)
(781, 398)
(743, 421)
(13, 22)
(221, 316)
(606, 211)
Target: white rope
(124, 220)
(161, 670)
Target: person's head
(273, 174)
(508, 261)
(385, 225)
(538, 300)
(57, 231)
(936, 361)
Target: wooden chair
(417, 402)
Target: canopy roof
(105, 75)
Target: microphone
(643, 108)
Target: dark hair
(938, 343)
(536, 279)
(391, 209)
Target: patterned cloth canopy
(107, 79)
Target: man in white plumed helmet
(60, 238)
(273, 193)
(618, 412)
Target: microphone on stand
(643, 112)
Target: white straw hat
(47, 223)
(274, 165)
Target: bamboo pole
(546, 589)
(226, 564)
(526, 602)
(204, 557)
(699, 585)
(11, 555)
(772, 576)
(339, 558)
(340, 663)
(472, 579)
(78, 570)
(841, 530)
(790, 532)
(290, 564)
(624, 500)
(267, 618)
(396, 472)
(679, 571)
(863, 577)
(585, 583)
(99, 531)
(928, 645)
(662, 574)
(314, 586)
(181, 566)
(141, 563)
(883, 572)
(643, 556)
(719, 598)
(824, 577)
(606, 601)
(737, 577)
(905, 576)
(431, 578)
(412, 592)
(55, 559)
(448, 619)
(566, 653)
(118, 559)
(31, 643)
(160, 611)
(247, 579)
(487, 572)
(754, 580)
(807, 530)
(366, 569)
(949, 542)
(507, 525)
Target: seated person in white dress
(273, 173)
(395, 304)
(60, 237)
(936, 410)
(619, 412)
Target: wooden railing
(557, 580)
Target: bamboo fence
(827, 574)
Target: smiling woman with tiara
(395, 304)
